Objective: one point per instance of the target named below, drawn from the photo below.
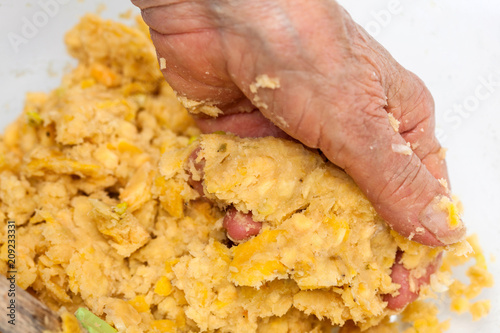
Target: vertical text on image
(11, 272)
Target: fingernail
(441, 218)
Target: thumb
(402, 170)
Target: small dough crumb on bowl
(96, 175)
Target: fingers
(411, 103)
(186, 38)
(400, 186)
(240, 226)
(410, 284)
(200, 78)
(403, 190)
(245, 125)
(348, 120)
(172, 17)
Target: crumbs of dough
(163, 63)
(479, 277)
(281, 122)
(101, 7)
(423, 318)
(394, 122)
(419, 230)
(256, 100)
(402, 149)
(264, 81)
(480, 309)
(449, 205)
(127, 14)
(443, 182)
(440, 281)
(197, 107)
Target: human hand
(331, 86)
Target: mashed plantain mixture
(96, 177)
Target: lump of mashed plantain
(96, 177)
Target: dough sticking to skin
(163, 63)
(394, 122)
(197, 107)
(402, 149)
(264, 81)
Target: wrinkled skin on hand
(337, 87)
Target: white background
(453, 45)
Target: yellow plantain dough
(323, 249)
(95, 175)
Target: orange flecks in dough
(163, 287)
(250, 265)
(163, 326)
(69, 323)
(104, 75)
(139, 303)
